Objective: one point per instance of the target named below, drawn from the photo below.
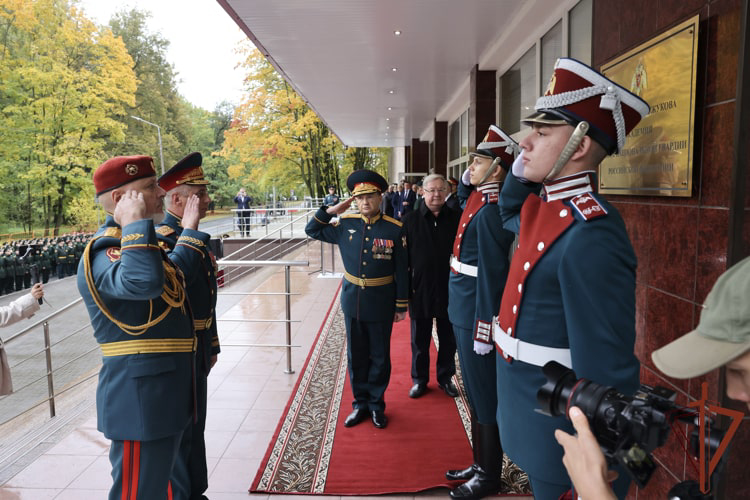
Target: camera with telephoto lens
(628, 428)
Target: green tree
(64, 88)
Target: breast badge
(114, 253)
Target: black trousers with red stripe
(141, 469)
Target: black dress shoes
(461, 474)
(379, 419)
(355, 417)
(417, 390)
(450, 389)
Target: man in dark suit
(143, 324)
(403, 201)
(451, 199)
(430, 231)
(182, 181)
(243, 202)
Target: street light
(158, 131)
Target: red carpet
(424, 438)
(312, 452)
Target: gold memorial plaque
(657, 158)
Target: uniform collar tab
(569, 186)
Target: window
(454, 140)
(519, 85)
(551, 52)
(518, 93)
(579, 39)
(458, 145)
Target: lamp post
(158, 131)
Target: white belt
(462, 268)
(533, 354)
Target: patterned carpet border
(300, 454)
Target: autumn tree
(64, 88)
(276, 140)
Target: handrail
(43, 320)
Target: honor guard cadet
(180, 182)
(375, 288)
(570, 295)
(141, 319)
(479, 266)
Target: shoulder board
(112, 232)
(164, 230)
(350, 216)
(164, 246)
(587, 206)
(392, 220)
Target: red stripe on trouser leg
(169, 491)
(136, 467)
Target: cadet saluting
(375, 288)
(141, 320)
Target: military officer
(141, 319)
(375, 288)
(479, 266)
(180, 182)
(331, 198)
(570, 295)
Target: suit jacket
(399, 209)
(201, 288)
(145, 389)
(243, 202)
(429, 243)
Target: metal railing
(288, 264)
(267, 247)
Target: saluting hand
(340, 208)
(192, 215)
(130, 208)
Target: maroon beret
(120, 170)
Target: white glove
(517, 167)
(466, 177)
(481, 348)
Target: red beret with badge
(577, 92)
(187, 171)
(120, 170)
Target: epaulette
(392, 220)
(112, 232)
(588, 206)
(164, 230)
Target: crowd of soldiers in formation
(25, 262)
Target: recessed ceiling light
(389, 108)
(387, 119)
(387, 128)
(394, 69)
(391, 91)
(397, 32)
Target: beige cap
(723, 332)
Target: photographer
(722, 338)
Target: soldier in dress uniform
(479, 266)
(331, 198)
(375, 288)
(180, 182)
(136, 299)
(570, 295)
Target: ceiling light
(397, 32)
(391, 91)
(387, 119)
(394, 69)
(390, 108)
